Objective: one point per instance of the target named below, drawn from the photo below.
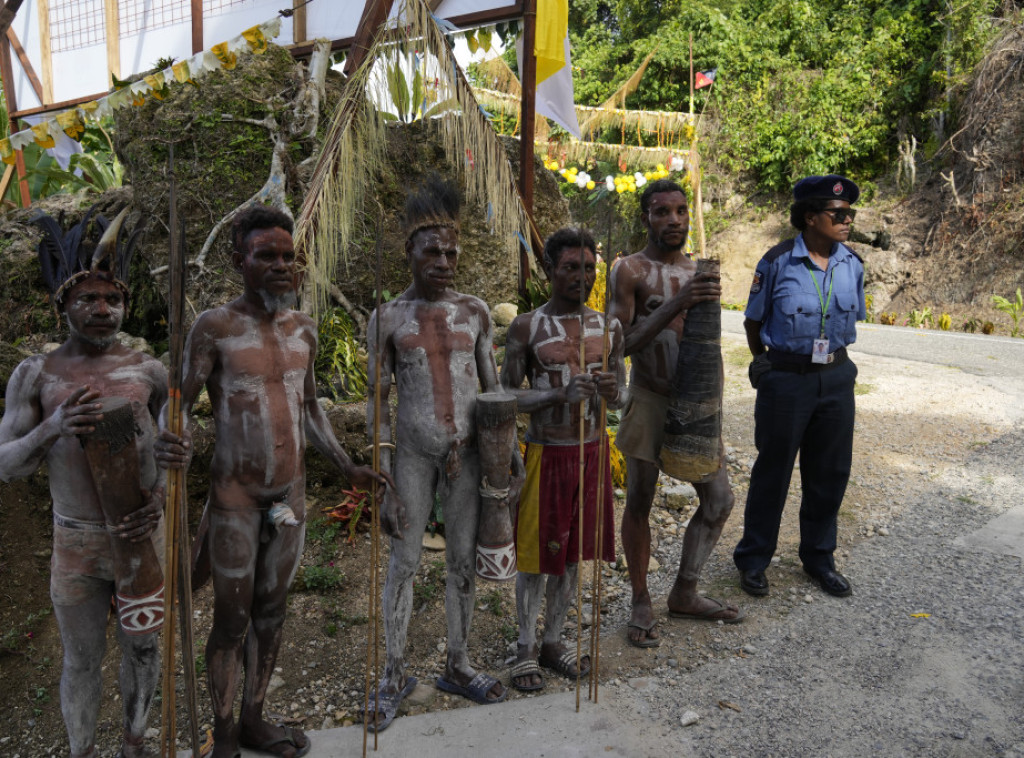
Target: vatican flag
(554, 65)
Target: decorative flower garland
(619, 183)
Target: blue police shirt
(784, 299)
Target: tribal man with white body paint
(436, 343)
(255, 357)
(543, 347)
(51, 406)
(651, 292)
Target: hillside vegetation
(802, 87)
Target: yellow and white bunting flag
(554, 65)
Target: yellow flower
(591, 185)
(620, 188)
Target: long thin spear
(598, 578)
(581, 500)
(176, 563)
(373, 640)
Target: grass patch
(862, 389)
(319, 579)
(430, 586)
(737, 356)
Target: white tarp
(159, 29)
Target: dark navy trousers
(811, 414)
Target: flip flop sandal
(476, 690)
(647, 641)
(523, 668)
(564, 665)
(711, 614)
(387, 704)
(289, 738)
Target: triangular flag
(705, 78)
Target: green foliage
(803, 87)
(430, 586)
(492, 602)
(340, 364)
(410, 99)
(1014, 308)
(918, 319)
(537, 293)
(96, 170)
(22, 633)
(319, 579)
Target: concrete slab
(546, 726)
(1003, 534)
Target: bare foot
(531, 680)
(689, 604)
(641, 630)
(285, 741)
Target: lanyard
(825, 303)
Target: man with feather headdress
(51, 404)
(436, 345)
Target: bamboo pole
(528, 125)
(580, 497)
(373, 632)
(598, 577)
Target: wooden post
(527, 126)
(7, 77)
(45, 50)
(374, 14)
(7, 14)
(298, 21)
(197, 26)
(112, 19)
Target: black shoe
(833, 582)
(754, 582)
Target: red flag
(705, 78)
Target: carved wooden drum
(496, 439)
(114, 463)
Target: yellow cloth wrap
(528, 517)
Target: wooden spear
(373, 640)
(580, 497)
(177, 562)
(598, 578)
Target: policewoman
(807, 295)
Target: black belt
(798, 363)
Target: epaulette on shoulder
(855, 254)
(780, 249)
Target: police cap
(830, 187)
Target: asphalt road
(979, 354)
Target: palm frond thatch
(355, 150)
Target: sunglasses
(840, 215)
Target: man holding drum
(436, 344)
(650, 293)
(51, 409)
(543, 347)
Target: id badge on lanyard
(819, 350)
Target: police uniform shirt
(786, 302)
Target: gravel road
(925, 659)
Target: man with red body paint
(255, 357)
(436, 343)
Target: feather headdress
(435, 203)
(68, 257)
